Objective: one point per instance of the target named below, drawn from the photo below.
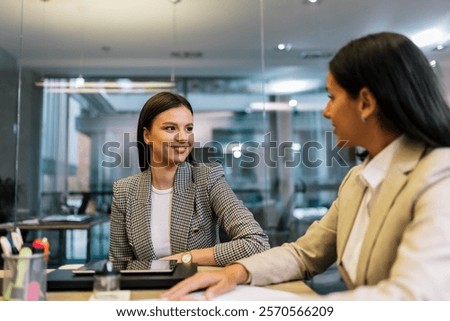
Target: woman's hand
(215, 283)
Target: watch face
(186, 258)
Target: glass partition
(73, 142)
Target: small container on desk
(25, 276)
(106, 283)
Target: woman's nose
(326, 112)
(182, 136)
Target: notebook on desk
(66, 280)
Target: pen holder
(25, 277)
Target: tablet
(133, 267)
(155, 266)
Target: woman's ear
(146, 135)
(368, 106)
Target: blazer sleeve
(245, 234)
(309, 255)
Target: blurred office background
(74, 75)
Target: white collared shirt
(370, 178)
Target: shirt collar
(375, 169)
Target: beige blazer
(406, 251)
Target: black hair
(407, 90)
(153, 107)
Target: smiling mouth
(182, 148)
(179, 146)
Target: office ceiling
(210, 38)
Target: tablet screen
(156, 266)
(133, 267)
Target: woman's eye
(189, 129)
(170, 128)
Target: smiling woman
(175, 206)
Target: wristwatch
(186, 257)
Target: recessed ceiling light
(284, 46)
(312, 1)
(293, 102)
(439, 48)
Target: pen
(16, 240)
(6, 246)
(19, 236)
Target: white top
(160, 221)
(371, 177)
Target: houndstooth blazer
(202, 201)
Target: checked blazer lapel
(141, 211)
(182, 208)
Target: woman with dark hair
(389, 228)
(174, 207)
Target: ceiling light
(237, 152)
(312, 2)
(270, 106)
(291, 86)
(429, 37)
(296, 147)
(80, 85)
(439, 48)
(284, 46)
(79, 82)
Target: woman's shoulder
(130, 181)
(435, 163)
(207, 166)
(206, 170)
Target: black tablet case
(65, 280)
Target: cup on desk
(106, 283)
(25, 276)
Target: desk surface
(296, 287)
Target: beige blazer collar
(404, 161)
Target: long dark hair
(153, 107)
(398, 74)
